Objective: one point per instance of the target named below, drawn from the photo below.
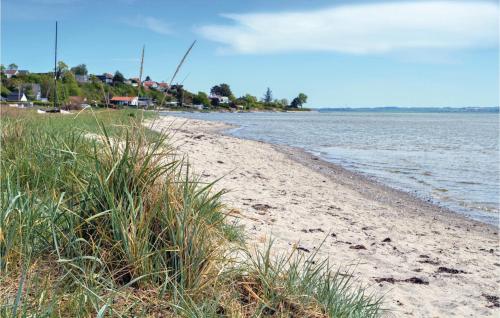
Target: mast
(177, 71)
(142, 67)
(55, 71)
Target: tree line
(97, 92)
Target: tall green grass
(100, 217)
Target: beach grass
(101, 217)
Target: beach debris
(198, 136)
(303, 249)
(443, 269)
(493, 300)
(313, 230)
(219, 161)
(333, 235)
(413, 280)
(334, 207)
(261, 207)
(358, 247)
(387, 240)
(429, 261)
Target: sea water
(451, 159)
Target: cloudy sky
(340, 53)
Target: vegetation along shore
(103, 217)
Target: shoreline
(426, 260)
(324, 166)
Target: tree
(61, 68)
(147, 78)
(80, 69)
(283, 102)
(71, 84)
(222, 90)
(299, 101)
(201, 98)
(268, 96)
(2, 67)
(118, 78)
(12, 66)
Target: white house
(124, 101)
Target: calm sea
(449, 158)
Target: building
(106, 78)
(10, 73)
(150, 84)
(17, 96)
(124, 101)
(219, 100)
(145, 102)
(23, 72)
(82, 78)
(163, 87)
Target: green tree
(80, 69)
(147, 78)
(61, 68)
(299, 101)
(2, 67)
(268, 96)
(222, 90)
(71, 84)
(118, 78)
(12, 66)
(201, 98)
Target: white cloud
(362, 29)
(152, 24)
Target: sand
(301, 201)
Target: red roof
(163, 84)
(149, 83)
(123, 99)
(10, 72)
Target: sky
(413, 53)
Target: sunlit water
(449, 158)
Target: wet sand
(426, 260)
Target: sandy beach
(425, 260)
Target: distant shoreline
(413, 109)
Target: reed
(100, 217)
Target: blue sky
(340, 53)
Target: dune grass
(100, 218)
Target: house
(144, 102)
(106, 78)
(23, 72)
(10, 73)
(124, 101)
(219, 100)
(82, 78)
(134, 81)
(163, 86)
(17, 96)
(150, 84)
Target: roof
(162, 84)
(149, 83)
(10, 72)
(123, 99)
(14, 96)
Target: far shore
(428, 261)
